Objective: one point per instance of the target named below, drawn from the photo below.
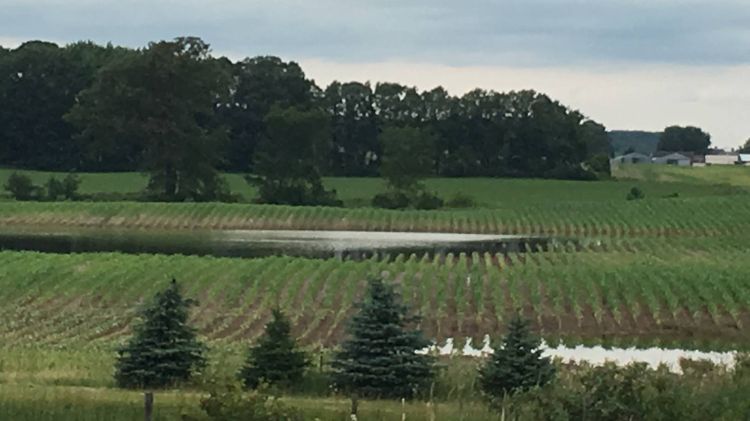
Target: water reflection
(252, 243)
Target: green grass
(728, 175)
(67, 403)
(53, 383)
(488, 192)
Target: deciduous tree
(163, 98)
(289, 161)
(684, 139)
(260, 83)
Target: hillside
(640, 141)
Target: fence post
(355, 407)
(148, 405)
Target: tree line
(382, 357)
(173, 110)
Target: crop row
(706, 217)
(670, 294)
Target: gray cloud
(477, 32)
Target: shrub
(227, 402)
(461, 200)
(391, 200)
(54, 189)
(635, 193)
(67, 189)
(294, 193)
(21, 187)
(599, 165)
(427, 201)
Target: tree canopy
(407, 157)
(258, 84)
(179, 114)
(684, 139)
(289, 161)
(39, 82)
(156, 106)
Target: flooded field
(259, 243)
(653, 356)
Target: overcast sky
(630, 64)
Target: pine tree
(163, 349)
(379, 359)
(517, 364)
(275, 359)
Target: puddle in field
(258, 243)
(596, 354)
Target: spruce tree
(275, 359)
(517, 364)
(164, 349)
(379, 359)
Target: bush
(391, 200)
(401, 199)
(428, 201)
(461, 200)
(21, 187)
(67, 189)
(295, 193)
(227, 402)
(599, 164)
(635, 193)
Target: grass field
(656, 181)
(713, 175)
(44, 383)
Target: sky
(629, 64)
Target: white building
(722, 159)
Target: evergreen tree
(379, 359)
(164, 348)
(275, 359)
(517, 364)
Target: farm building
(745, 158)
(672, 158)
(721, 159)
(632, 158)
